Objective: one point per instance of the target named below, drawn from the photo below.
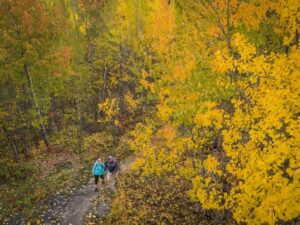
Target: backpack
(99, 169)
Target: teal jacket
(98, 169)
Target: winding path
(74, 207)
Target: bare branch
(220, 22)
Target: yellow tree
(261, 135)
(228, 119)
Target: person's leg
(108, 175)
(112, 183)
(102, 178)
(117, 176)
(96, 182)
(96, 179)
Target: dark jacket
(112, 166)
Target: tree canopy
(205, 90)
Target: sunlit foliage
(228, 116)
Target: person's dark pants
(97, 178)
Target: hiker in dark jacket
(111, 167)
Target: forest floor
(77, 205)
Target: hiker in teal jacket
(98, 171)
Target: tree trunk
(104, 82)
(26, 148)
(15, 152)
(228, 25)
(79, 125)
(11, 141)
(137, 17)
(41, 124)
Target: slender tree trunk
(79, 125)
(41, 124)
(16, 151)
(104, 81)
(25, 143)
(120, 88)
(220, 24)
(137, 17)
(26, 150)
(12, 143)
(78, 99)
(228, 24)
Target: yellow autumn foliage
(110, 108)
(227, 116)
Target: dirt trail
(74, 207)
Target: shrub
(158, 200)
